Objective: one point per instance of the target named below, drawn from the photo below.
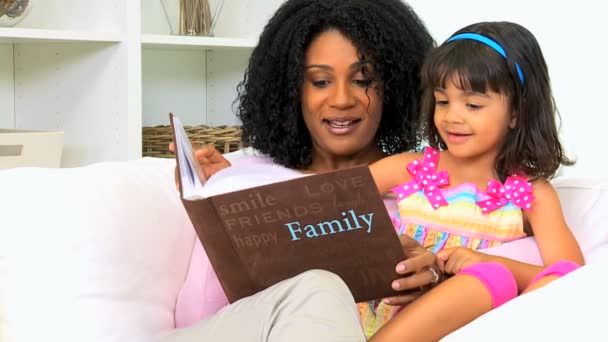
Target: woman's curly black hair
(386, 32)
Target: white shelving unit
(29, 35)
(99, 71)
(161, 41)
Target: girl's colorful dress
(439, 217)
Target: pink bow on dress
(425, 177)
(516, 190)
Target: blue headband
(489, 42)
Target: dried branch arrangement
(195, 17)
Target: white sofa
(99, 253)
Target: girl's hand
(419, 270)
(452, 260)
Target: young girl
(490, 121)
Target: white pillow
(585, 205)
(96, 253)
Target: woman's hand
(420, 269)
(210, 160)
(452, 260)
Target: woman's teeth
(338, 124)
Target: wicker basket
(155, 140)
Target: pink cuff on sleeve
(497, 279)
(559, 268)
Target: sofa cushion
(585, 205)
(96, 253)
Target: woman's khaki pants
(315, 306)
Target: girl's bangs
(470, 66)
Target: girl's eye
(320, 83)
(363, 83)
(440, 103)
(474, 106)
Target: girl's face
(472, 124)
(341, 106)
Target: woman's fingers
(211, 160)
(417, 257)
(176, 179)
(403, 299)
(420, 268)
(414, 281)
(416, 263)
(205, 151)
(410, 246)
(172, 149)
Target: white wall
(572, 36)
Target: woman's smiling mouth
(341, 126)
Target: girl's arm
(555, 240)
(391, 171)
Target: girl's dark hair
(533, 146)
(387, 33)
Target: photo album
(259, 236)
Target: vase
(12, 11)
(192, 17)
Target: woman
(349, 93)
(333, 84)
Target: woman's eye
(320, 83)
(363, 83)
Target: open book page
(191, 176)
